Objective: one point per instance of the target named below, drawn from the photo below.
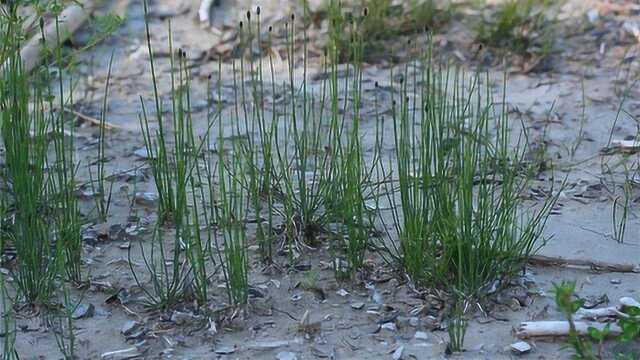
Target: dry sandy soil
(353, 324)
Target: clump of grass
(258, 158)
(169, 272)
(300, 179)
(231, 215)
(521, 26)
(351, 176)
(24, 134)
(458, 217)
(171, 164)
(62, 183)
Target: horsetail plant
(257, 153)
(101, 195)
(619, 221)
(231, 214)
(171, 168)
(62, 183)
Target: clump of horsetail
(25, 139)
(231, 214)
(458, 217)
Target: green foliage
(375, 21)
(521, 26)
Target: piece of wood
(591, 264)
(91, 120)
(607, 312)
(69, 21)
(204, 11)
(529, 329)
(600, 313)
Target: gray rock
(421, 335)
(142, 153)
(129, 327)
(397, 354)
(357, 305)
(181, 318)
(414, 321)
(286, 355)
(146, 198)
(389, 326)
(268, 345)
(83, 311)
(225, 350)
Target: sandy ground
(601, 55)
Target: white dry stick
(205, 8)
(595, 314)
(69, 21)
(607, 312)
(529, 329)
(561, 328)
(629, 302)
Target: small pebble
(83, 311)
(225, 350)
(520, 347)
(357, 305)
(397, 355)
(286, 355)
(389, 326)
(129, 327)
(421, 335)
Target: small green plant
(583, 119)
(619, 221)
(169, 272)
(591, 346)
(63, 326)
(568, 305)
